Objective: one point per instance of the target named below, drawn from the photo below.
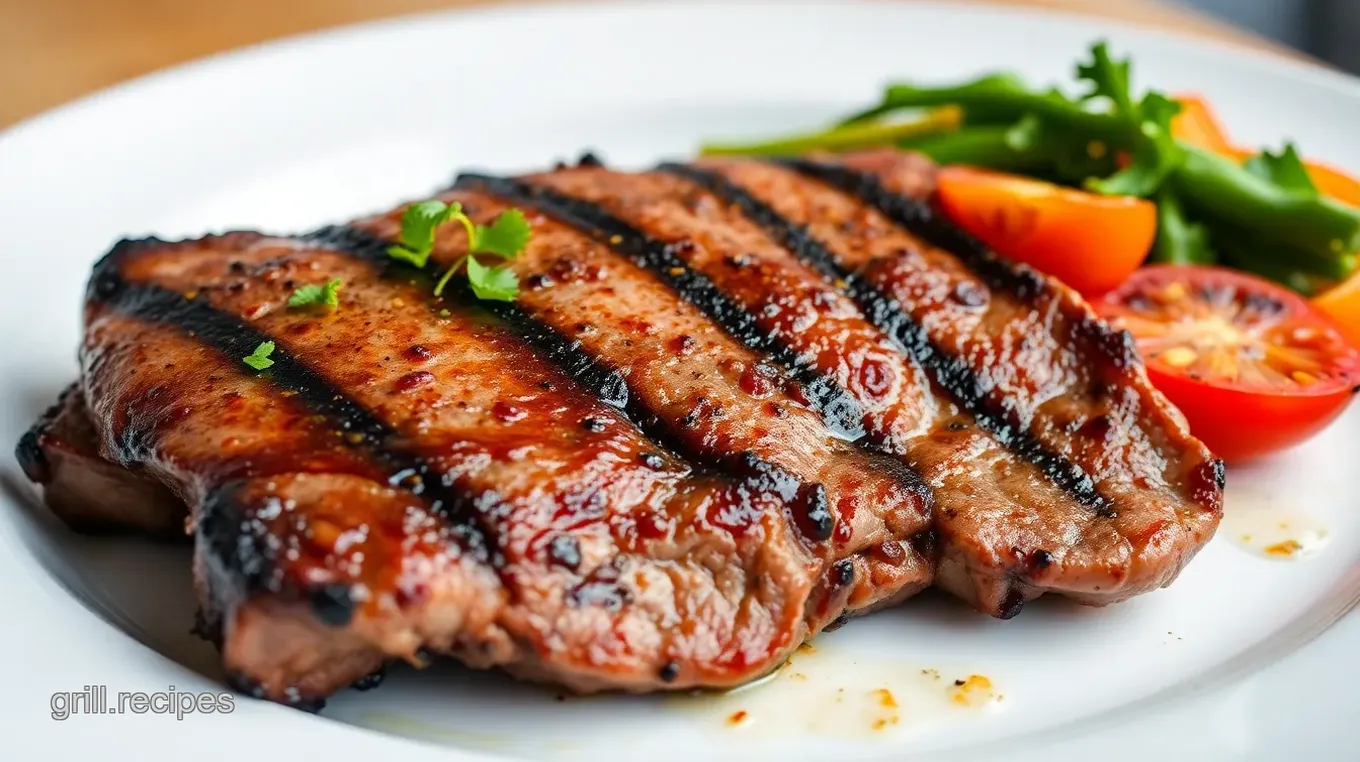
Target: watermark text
(96, 699)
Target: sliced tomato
(1197, 124)
(1254, 367)
(1090, 242)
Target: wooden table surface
(52, 51)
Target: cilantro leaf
(493, 283)
(418, 224)
(259, 359)
(317, 295)
(1284, 169)
(506, 236)
(1108, 78)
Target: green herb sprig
(259, 359)
(324, 295)
(505, 238)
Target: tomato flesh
(1254, 367)
(1090, 242)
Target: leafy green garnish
(497, 283)
(418, 224)
(1284, 169)
(1154, 152)
(317, 295)
(505, 237)
(259, 359)
(1107, 78)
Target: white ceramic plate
(1224, 665)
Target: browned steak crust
(89, 493)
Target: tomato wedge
(1092, 243)
(1254, 367)
(1197, 124)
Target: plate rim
(1319, 72)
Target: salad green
(1263, 216)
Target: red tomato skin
(1237, 424)
(1274, 422)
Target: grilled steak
(734, 401)
(86, 490)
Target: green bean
(979, 146)
(844, 138)
(1312, 225)
(1004, 92)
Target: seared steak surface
(734, 401)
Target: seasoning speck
(1286, 549)
(974, 691)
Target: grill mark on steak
(993, 506)
(606, 383)
(1057, 372)
(949, 371)
(807, 500)
(838, 408)
(1075, 398)
(236, 338)
(710, 572)
(919, 218)
(709, 393)
(613, 564)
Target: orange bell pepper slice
(1197, 125)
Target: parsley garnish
(259, 359)
(505, 237)
(317, 295)
(1154, 153)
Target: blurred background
(52, 51)
(1326, 29)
